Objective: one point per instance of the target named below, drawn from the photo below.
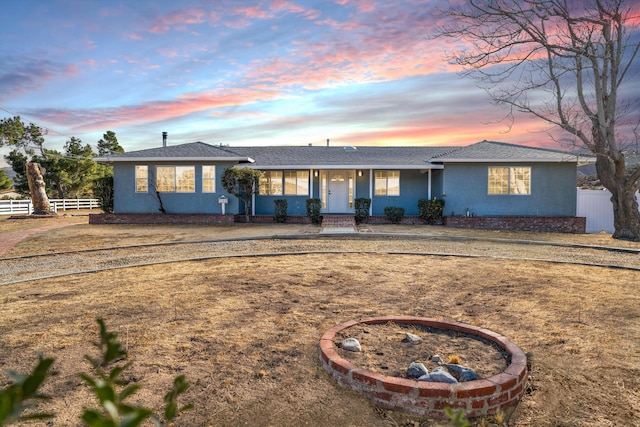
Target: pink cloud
(98, 119)
(178, 19)
(255, 12)
(362, 5)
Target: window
(387, 183)
(208, 179)
(176, 179)
(142, 179)
(296, 183)
(271, 183)
(509, 180)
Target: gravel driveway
(31, 267)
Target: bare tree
(565, 62)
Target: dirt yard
(245, 331)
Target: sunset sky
(242, 73)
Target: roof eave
(172, 159)
(514, 160)
(349, 166)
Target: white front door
(338, 191)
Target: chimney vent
(327, 142)
(164, 139)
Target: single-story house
(485, 179)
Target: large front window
(175, 179)
(387, 183)
(509, 180)
(271, 183)
(296, 183)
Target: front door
(338, 191)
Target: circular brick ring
(477, 398)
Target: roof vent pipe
(164, 139)
(327, 142)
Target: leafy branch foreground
(106, 383)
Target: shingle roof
(319, 156)
(191, 151)
(284, 157)
(491, 151)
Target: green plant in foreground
(456, 419)
(23, 393)
(107, 385)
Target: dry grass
(245, 331)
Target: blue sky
(242, 73)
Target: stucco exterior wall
(553, 191)
(127, 200)
(413, 187)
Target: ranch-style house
(485, 179)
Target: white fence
(9, 207)
(596, 206)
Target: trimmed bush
(394, 214)
(280, 210)
(362, 206)
(313, 210)
(431, 210)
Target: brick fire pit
(477, 398)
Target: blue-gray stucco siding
(553, 191)
(463, 185)
(414, 186)
(127, 200)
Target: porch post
(371, 191)
(311, 184)
(429, 184)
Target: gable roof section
(500, 152)
(195, 151)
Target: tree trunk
(39, 197)
(626, 217)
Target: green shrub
(106, 383)
(394, 214)
(280, 210)
(313, 210)
(431, 210)
(362, 206)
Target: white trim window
(296, 183)
(509, 180)
(387, 183)
(176, 179)
(208, 179)
(271, 183)
(142, 178)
